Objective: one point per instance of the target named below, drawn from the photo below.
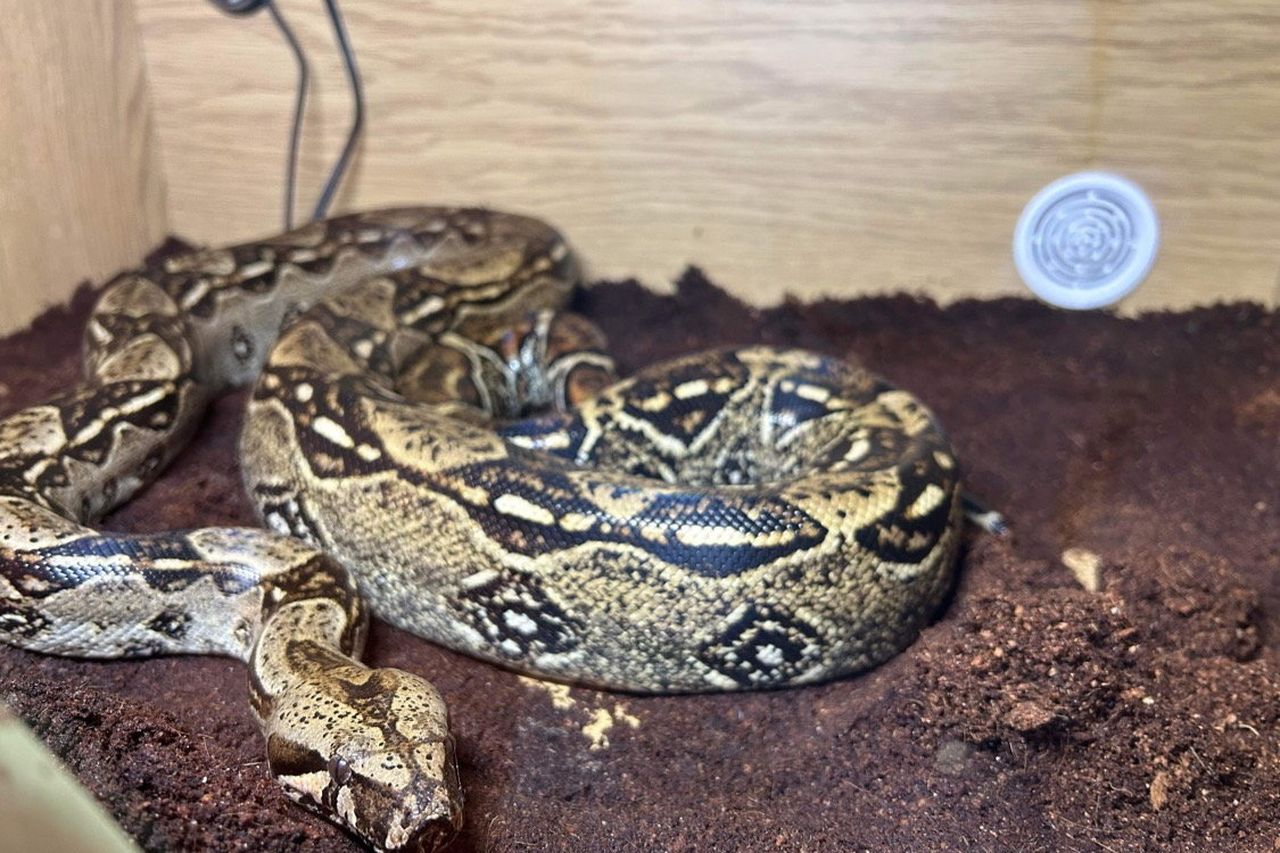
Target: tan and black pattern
(737, 519)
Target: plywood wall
(81, 187)
(797, 146)
(802, 147)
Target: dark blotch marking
(895, 537)
(242, 345)
(486, 607)
(289, 758)
(759, 514)
(793, 647)
(172, 623)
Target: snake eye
(339, 770)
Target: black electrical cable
(299, 108)
(357, 118)
(339, 170)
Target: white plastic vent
(1086, 240)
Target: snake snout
(378, 760)
(411, 800)
(425, 834)
(397, 797)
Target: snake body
(738, 519)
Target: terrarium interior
(846, 179)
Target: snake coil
(737, 519)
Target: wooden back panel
(81, 187)
(786, 146)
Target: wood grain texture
(81, 189)
(807, 147)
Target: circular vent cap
(1086, 240)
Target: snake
(432, 437)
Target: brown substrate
(1033, 715)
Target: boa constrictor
(737, 519)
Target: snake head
(514, 368)
(370, 750)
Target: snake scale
(737, 519)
